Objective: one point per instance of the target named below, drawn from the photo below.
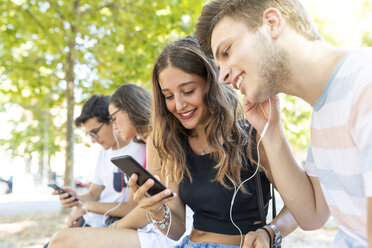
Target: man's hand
(74, 216)
(68, 201)
(258, 114)
(257, 239)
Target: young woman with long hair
(205, 149)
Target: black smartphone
(60, 190)
(129, 166)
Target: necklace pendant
(202, 153)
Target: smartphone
(60, 190)
(129, 166)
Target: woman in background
(129, 109)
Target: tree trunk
(45, 168)
(42, 175)
(70, 115)
(70, 78)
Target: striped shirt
(340, 151)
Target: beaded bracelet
(163, 223)
(268, 233)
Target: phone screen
(129, 166)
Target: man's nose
(224, 75)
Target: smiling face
(249, 61)
(183, 94)
(104, 136)
(122, 123)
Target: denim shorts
(187, 243)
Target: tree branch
(56, 8)
(26, 68)
(32, 69)
(44, 29)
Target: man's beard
(273, 67)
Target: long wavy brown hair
(227, 139)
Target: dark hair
(136, 101)
(95, 106)
(223, 108)
(250, 13)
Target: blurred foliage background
(55, 53)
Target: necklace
(203, 150)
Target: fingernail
(167, 192)
(149, 182)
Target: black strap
(257, 177)
(273, 202)
(261, 207)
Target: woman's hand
(154, 203)
(258, 114)
(256, 239)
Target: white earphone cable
(118, 204)
(236, 189)
(112, 209)
(126, 189)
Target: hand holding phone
(60, 190)
(129, 166)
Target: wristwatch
(278, 236)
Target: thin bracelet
(268, 233)
(162, 224)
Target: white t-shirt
(340, 151)
(105, 174)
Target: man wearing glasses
(109, 185)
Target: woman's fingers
(151, 203)
(159, 204)
(157, 177)
(142, 190)
(132, 183)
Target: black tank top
(211, 201)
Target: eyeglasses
(94, 133)
(111, 117)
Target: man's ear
(274, 21)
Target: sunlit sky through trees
(342, 22)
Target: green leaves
(99, 45)
(296, 116)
